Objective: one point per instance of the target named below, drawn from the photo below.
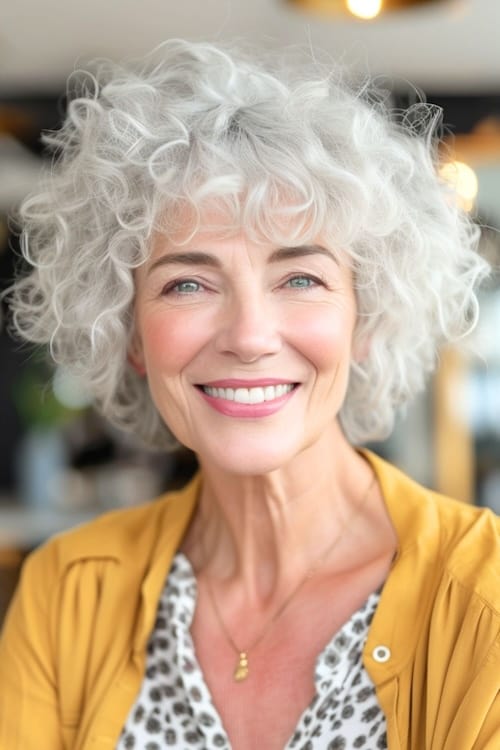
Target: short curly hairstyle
(287, 151)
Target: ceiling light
(365, 9)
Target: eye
(183, 286)
(302, 282)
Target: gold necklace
(242, 668)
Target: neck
(265, 533)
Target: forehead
(215, 228)
(217, 219)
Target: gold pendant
(241, 671)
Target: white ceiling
(452, 46)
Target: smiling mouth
(256, 395)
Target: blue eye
(301, 282)
(187, 286)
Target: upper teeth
(249, 395)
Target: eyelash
(308, 277)
(173, 287)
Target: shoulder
(86, 598)
(469, 544)
(455, 539)
(440, 605)
(123, 535)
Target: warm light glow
(364, 8)
(463, 180)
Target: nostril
(249, 338)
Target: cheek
(169, 343)
(325, 337)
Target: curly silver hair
(286, 153)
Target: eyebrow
(196, 257)
(191, 258)
(286, 253)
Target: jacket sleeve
(489, 735)
(29, 717)
(489, 738)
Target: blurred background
(60, 464)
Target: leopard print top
(174, 707)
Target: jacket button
(381, 654)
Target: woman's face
(246, 346)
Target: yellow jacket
(73, 646)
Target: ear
(135, 355)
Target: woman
(259, 262)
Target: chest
(189, 691)
(265, 709)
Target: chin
(248, 460)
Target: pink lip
(247, 411)
(239, 383)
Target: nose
(249, 328)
